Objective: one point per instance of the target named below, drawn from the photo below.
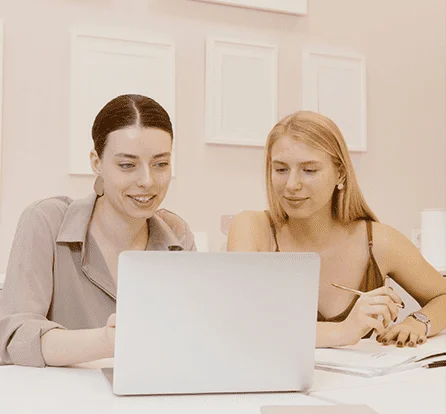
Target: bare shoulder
(391, 247)
(250, 231)
(388, 238)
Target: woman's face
(303, 178)
(136, 169)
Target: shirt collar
(78, 215)
(77, 218)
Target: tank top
(372, 279)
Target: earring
(99, 186)
(340, 186)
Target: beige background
(403, 171)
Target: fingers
(375, 324)
(402, 338)
(387, 291)
(413, 340)
(385, 300)
(382, 310)
(111, 321)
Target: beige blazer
(57, 277)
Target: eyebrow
(301, 163)
(134, 157)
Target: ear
(341, 175)
(95, 162)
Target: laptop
(214, 322)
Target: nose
(294, 182)
(145, 179)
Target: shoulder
(178, 226)
(40, 222)
(250, 230)
(387, 237)
(391, 246)
(50, 211)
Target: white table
(84, 389)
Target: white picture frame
(241, 92)
(107, 62)
(1, 97)
(295, 7)
(334, 83)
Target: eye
(310, 171)
(280, 170)
(126, 165)
(163, 164)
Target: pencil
(357, 292)
(437, 364)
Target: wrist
(106, 344)
(422, 325)
(347, 335)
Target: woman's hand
(109, 335)
(410, 332)
(364, 316)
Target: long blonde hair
(323, 134)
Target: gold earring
(340, 186)
(99, 186)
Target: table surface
(84, 389)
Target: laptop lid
(219, 322)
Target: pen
(435, 364)
(359, 293)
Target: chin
(298, 213)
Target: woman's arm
(405, 264)
(249, 232)
(68, 347)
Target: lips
(142, 198)
(295, 199)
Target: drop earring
(99, 186)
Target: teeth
(142, 199)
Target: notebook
(377, 359)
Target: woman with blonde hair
(315, 204)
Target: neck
(315, 232)
(122, 232)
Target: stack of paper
(378, 359)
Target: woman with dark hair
(59, 296)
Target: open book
(373, 359)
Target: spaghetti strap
(273, 229)
(369, 234)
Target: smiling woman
(59, 296)
(316, 205)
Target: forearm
(435, 310)
(330, 334)
(66, 347)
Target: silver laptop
(229, 322)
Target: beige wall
(403, 171)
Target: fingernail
(419, 341)
(399, 344)
(384, 341)
(390, 287)
(411, 344)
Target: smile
(295, 199)
(142, 199)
